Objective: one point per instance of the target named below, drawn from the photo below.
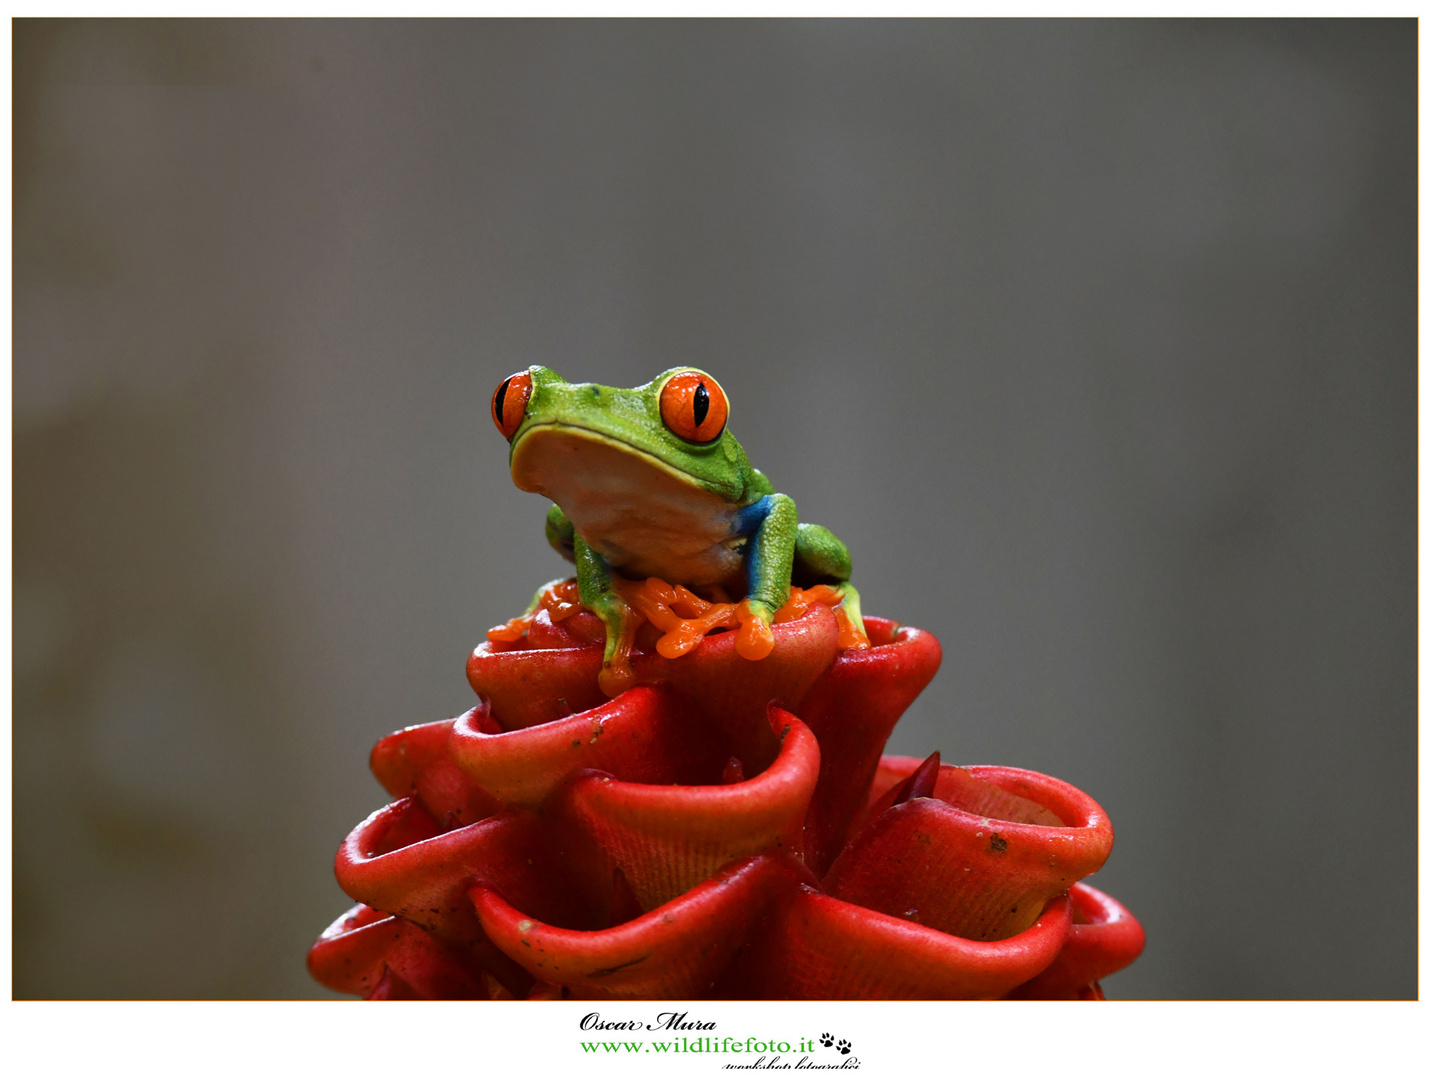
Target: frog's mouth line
(619, 445)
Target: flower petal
(817, 946)
(852, 710)
(357, 950)
(669, 838)
(416, 759)
(644, 735)
(424, 881)
(953, 864)
(1104, 937)
(676, 951)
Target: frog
(650, 483)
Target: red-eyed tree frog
(649, 483)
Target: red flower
(723, 828)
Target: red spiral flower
(724, 828)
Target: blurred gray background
(1095, 341)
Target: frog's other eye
(694, 407)
(508, 405)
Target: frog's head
(567, 436)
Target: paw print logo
(843, 1046)
(826, 1039)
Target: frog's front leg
(560, 533)
(598, 595)
(771, 522)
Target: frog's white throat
(644, 517)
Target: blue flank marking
(747, 522)
(749, 518)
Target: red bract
(724, 828)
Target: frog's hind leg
(853, 636)
(820, 558)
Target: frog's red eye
(508, 405)
(694, 407)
